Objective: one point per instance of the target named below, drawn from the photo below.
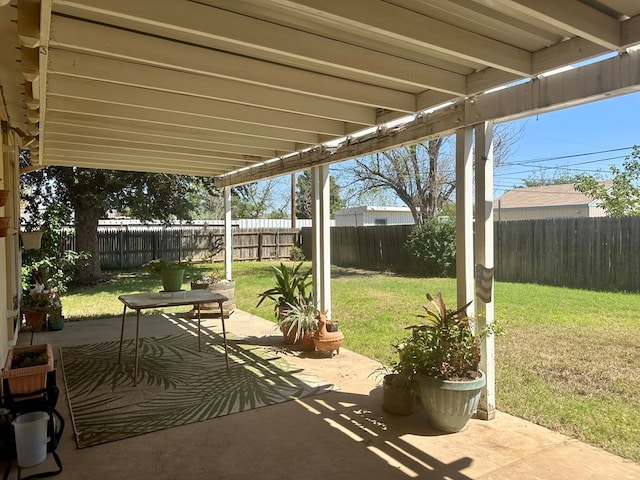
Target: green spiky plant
(292, 287)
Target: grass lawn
(569, 359)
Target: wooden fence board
(592, 253)
(121, 248)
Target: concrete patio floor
(339, 435)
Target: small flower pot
(34, 318)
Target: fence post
(121, 249)
(259, 246)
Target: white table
(142, 301)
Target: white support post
(464, 219)
(228, 234)
(321, 247)
(484, 256)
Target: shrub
(434, 243)
(297, 255)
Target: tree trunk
(86, 223)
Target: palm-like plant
(292, 287)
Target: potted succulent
(443, 356)
(172, 273)
(292, 287)
(299, 323)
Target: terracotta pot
(4, 195)
(289, 336)
(324, 340)
(307, 342)
(35, 318)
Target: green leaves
(622, 199)
(292, 286)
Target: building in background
(367, 216)
(549, 201)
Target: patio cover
(244, 90)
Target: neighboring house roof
(545, 196)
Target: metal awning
(247, 89)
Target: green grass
(569, 359)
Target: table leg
(135, 370)
(199, 349)
(224, 334)
(122, 333)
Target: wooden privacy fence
(126, 248)
(591, 253)
(378, 247)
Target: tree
(423, 175)
(623, 198)
(303, 195)
(91, 193)
(561, 176)
(256, 200)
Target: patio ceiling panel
(68, 122)
(215, 87)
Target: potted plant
(398, 395)
(443, 356)
(292, 287)
(172, 273)
(299, 323)
(214, 282)
(35, 306)
(26, 368)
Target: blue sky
(596, 134)
(583, 130)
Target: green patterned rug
(177, 384)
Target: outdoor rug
(177, 384)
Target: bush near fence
(592, 253)
(130, 248)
